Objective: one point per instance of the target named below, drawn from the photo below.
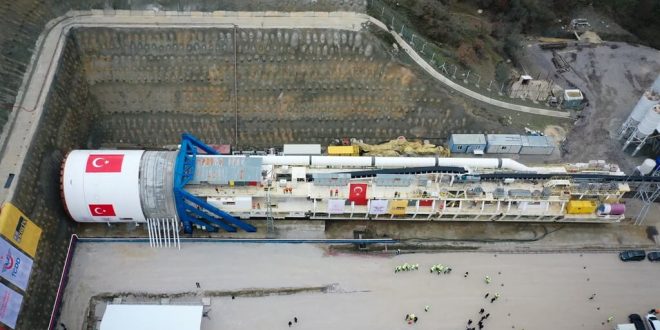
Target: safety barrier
(244, 240)
(64, 279)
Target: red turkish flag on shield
(102, 210)
(426, 202)
(104, 163)
(358, 193)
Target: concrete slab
(362, 289)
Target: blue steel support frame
(187, 204)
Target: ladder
(270, 222)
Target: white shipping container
(537, 145)
(503, 143)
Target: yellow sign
(398, 206)
(18, 229)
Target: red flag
(104, 163)
(358, 193)
(102, 210)
(426, 202)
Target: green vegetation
(484, 40)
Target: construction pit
(140, 85)
(129, 84)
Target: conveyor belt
(409, 170)
(588, 177)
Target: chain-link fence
(440, 60)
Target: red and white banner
(358, 193)
(104, 163)
(102, 210)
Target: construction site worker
(488, 279)
(426, 308)
(609, 319)
(497, 295)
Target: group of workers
(406, 267)
(440, 269)
(493, 298)
(411, 318)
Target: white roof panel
(301, 149)
(504, 139)
(152, 317)
(468, 139)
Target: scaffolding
(270, 221)
(647, 192)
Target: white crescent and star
(97, 165)
(99, 210)
(358, 190)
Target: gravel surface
(613, 77)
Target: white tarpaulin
(336, 206)
(10, 305)
(152, 317)
(16, 266)
(378, 206)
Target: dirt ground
(613, 77)
(601, 24)
(537, 291)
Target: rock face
(277, 86)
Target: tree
(466, 55)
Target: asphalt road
(538, 291)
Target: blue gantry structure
(193, 210)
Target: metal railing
(64, 279)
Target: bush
(502, 72)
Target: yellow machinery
(581, 207)
(343, 150)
